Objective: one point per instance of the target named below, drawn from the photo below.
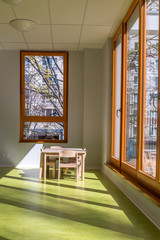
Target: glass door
(116, 98)
(132, 87)
(150, 87)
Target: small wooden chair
(69, 154)
(71, 160)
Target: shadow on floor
(54, 183)
(80, 217)
(2, 238)
(5, 170)
(34, 173)
(30, 173)
(56, 196)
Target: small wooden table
(45, 152)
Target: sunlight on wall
(32, 158)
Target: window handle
(153, 96)
(117, 112)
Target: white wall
(28, 153)
(92, 125)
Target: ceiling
(62, 24)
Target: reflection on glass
(41, 131)
(151, 88)
(44, 85)
(132, 87)
(117, 82)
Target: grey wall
(92, 125)
(75, 97)
(106, 102)
(28, 153)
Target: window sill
(153, 196)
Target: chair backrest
(67, 154)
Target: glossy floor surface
(91, 210)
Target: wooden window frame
(124, 165)
(151, 183)
(53, 119)
(148, 180)
(114, 160)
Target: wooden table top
(58, 150)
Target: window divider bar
(141, 90)
(158, 115)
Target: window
(116, 98)
(43, 97)
(150, 87)
(132, 71)
(140, 95)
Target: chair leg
(48, 171)
(54, 170)
(79, 170)
(59, 173)
(77, 173)
(41, 166)
(40, 172)
(66, 170)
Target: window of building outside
(43, 96)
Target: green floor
(90, 210)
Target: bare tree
(44, 92)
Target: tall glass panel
(150, 87)
(132, 87)
(117, 97)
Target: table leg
(41, 166)
(44, 167)
(83, 159)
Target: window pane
(44, 130)
(132, 87)
(117, 82)
(151, 87)
(44, 85)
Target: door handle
(117, 112)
